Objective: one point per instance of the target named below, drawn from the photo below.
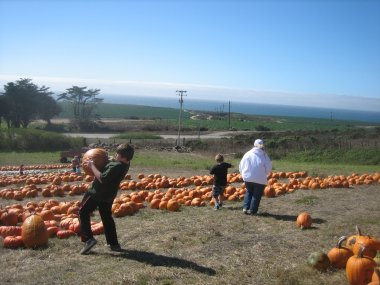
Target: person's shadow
(162, 260)
(287, 218)
(291, 218)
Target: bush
(36, 140)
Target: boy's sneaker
(88, 245)
(248, 212)
(220, 204)
(116, 247)
(244, 211)
(216, 207)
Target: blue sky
(303, 52)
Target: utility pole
(229, 115)
(180, 93)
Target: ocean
(248, 108)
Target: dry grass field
(199, 245)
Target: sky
(318, 53)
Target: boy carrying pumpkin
(101, 195)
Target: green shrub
(36, 140)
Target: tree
(26, 101)
(82, 101)
(48, 109)
(3, 108)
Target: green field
(169, 116)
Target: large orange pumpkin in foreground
(359, 268)
(98, 155)
(33, 232)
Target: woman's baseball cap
(259, 143)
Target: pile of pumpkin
(32, 225)
(360, 256)
(34, 167)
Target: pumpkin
(339, 255)
(375, 277)
(318, 260)
(13, 242)
(62, 234)
(359, 268)
(370, 243)
(154, 204)
(9, 218)
(304, 220)
(10, 231)
(100, 158)
(377, 258)
(172, 205)
(52, 231)
(33, 231)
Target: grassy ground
(203, 246)
(151, 161)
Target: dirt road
(215, 135)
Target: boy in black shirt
(220, 180)
(101, 195)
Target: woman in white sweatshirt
(254, 167)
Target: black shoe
(88, 245)
(116, 247)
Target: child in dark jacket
(101, 195)
(219, 171)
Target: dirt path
(214, 135)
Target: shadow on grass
(277, 216)
(162, 260)
(288, 217)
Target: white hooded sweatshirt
(255, 166)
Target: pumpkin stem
(361, 250)
(340, 241)
(358, 231)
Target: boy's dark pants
(89, 205)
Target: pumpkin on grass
(359, 268)
(375, 277)
(370, 243)
(339, 255)
(13, 242)
(100, 158)
(319, 260)
(9, 218)
(304, 220)
(33, 232)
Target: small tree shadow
(162, 260)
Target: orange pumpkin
(172, 205)
(359, 268)
(9, 218)
(33, 232)
(13, 242)
(304, 220)
(356, 241)
(100, 158)
(375, 277)
(339, 255)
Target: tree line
(23, 101)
